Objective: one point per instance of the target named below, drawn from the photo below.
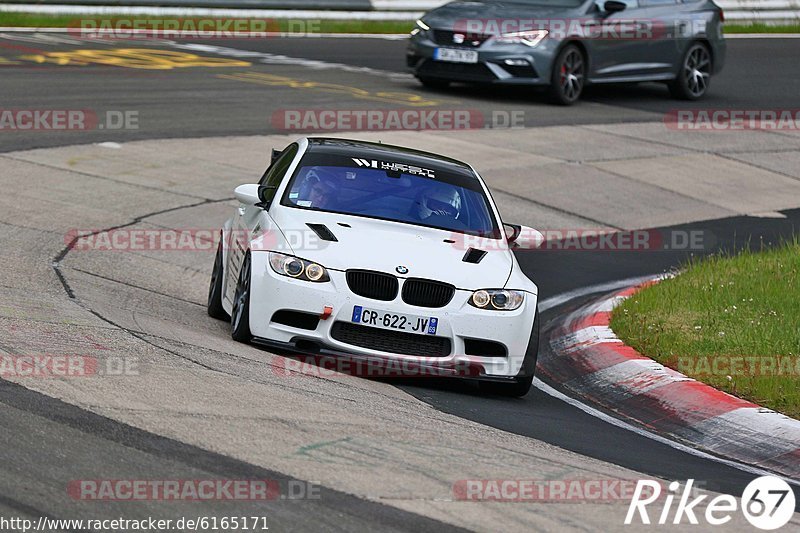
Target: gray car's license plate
(454, 55)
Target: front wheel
(695, 74)
(240, 314)
(568, 77)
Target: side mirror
(247, 194)
(523, 236)
(512, 232)
(614, 6)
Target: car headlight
(497, 299)
(529, 38)
(294, 267)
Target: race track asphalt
(64, 440)
(176, 102)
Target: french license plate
(454, 55)
(422, 325)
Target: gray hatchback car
(566, 44)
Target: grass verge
(730, 321)
(36, 20)
(761, 28)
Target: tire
(433, 83)
(521, 384)
(569, 76)
(240, 314)
(215, 309)
(694, 76)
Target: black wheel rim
(571, 75)
(242, 292)
(697, 70)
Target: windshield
(403, 193)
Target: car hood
(446, 16)
(384, 246)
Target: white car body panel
(384, 245)
(377, 245)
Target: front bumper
(459, 324)
(506, 64)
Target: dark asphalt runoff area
(543, 417)
(171, 99)
(46, 438)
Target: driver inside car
(317, 193)
(436, 201)
(321, 195)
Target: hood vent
(474, 256)
(323, 232)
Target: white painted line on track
(388, 36)
(547, 389)
(559, 299)
(61, 9)
(242, 34)
(762, 36)
(279, 59)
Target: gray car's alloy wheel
(695, 74)
(240, 314)
(215, 309)
(569, 76)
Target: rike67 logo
(767, 502)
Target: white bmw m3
(353, 249)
